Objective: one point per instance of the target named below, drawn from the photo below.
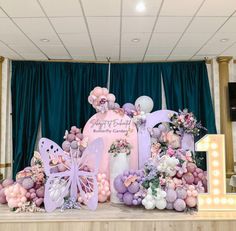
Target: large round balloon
(129, 107)
(145, 103)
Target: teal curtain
(55, 92)
(129, 81)
(26, 107)
(186, 85)
(65, 91)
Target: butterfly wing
(57, 167)
(87, 173)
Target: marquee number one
(216, 198)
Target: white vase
(118, 164)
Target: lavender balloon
(129, 107)
(128, 198)
(119, 185)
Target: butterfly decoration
(71, 175)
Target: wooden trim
(7, 165)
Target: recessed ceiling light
(140, 7)
(135, 40)
(44, 40)
(224, 40)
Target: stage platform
(116, 218)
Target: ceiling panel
(62, 8)
(7, 52)
(34, 56)
(155, 58)
(84, 58)
(26, 8)
(231, 51)
(127, 39)
(152, 7)
(159, 51)
(217, 8)
(104, 40)
(137, 24)
(179, 57)
(101, 7)
(15, 38)
(172, 24)
(30, 48)
(72, 25)
(229, 26)
(177, 8)
(38, 28)
(184, 51)
(108, 51)
(55, 52)
(100, 25)
(132, 51)
(206, 24)
(164, 39)
(81, 40)
(2, 14)
(194, 39)
(8, 27)
(80, 51)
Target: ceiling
(91, 30)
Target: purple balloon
(128, 198)
(119, 185)
(129, 107)
(27, 183)
(66, 146)
(171, 195)
(134, 187)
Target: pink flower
(170, 152)
(188, 156)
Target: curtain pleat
(129, 81)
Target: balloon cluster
(103, 187)
(28, 190)
(102, 100)
(128, 187)
(74, 140)
(15, 195)
(150, 201)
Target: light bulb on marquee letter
(216, 198)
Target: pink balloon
(105, 91)
(97, 91)
(191, 201)
(90, 99)
(111, 97)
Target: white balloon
(161, 204)
(145, 103)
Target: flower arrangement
(120, 146)
(187, 121)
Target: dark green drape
(129, 81)
(55, 92)
(65, 91)
(26, 106)
(186, 85)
